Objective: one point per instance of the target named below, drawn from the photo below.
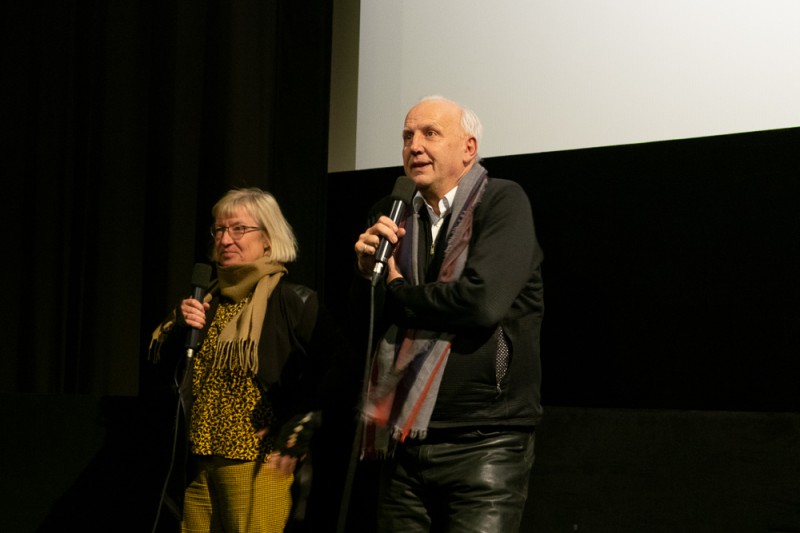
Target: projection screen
(559, 75)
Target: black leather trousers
(457, 481)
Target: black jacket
(501, 285)
(304, 360)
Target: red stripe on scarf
(423, 394)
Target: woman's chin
(229, 261)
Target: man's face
(436, 150)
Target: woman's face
(233, 249)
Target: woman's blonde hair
(265, 210)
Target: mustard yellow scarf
(237, 344)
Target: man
(453, 397)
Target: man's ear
(470, 149)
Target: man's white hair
(470, 122)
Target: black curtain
(123, 122)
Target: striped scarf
(408, 364)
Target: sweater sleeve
(502, 258)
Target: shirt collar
(444, 204)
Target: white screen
(565, 74)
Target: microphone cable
(354, 453)
(174, 443)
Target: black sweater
(501, 285)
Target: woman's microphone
(201, 279)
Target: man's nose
(415, 145)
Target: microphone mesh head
(404, 189)
(201, 275)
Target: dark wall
(598, 470)
(123, 123)
(670, 268)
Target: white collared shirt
(444, 208)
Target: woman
(254, 389)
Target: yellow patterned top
(229, 404)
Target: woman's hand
(194, 312)
(283, 464)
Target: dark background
(670, 342)
(669, 268)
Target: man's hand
(392, 272)
(368, 242)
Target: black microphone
(201, 279)
(402, 194)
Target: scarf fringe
(377, 442)
(238, 353)
(397, 434)
(237, 344)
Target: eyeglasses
(236, 232)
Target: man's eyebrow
(424, 126)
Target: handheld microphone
(201, 279)
(402, 194)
